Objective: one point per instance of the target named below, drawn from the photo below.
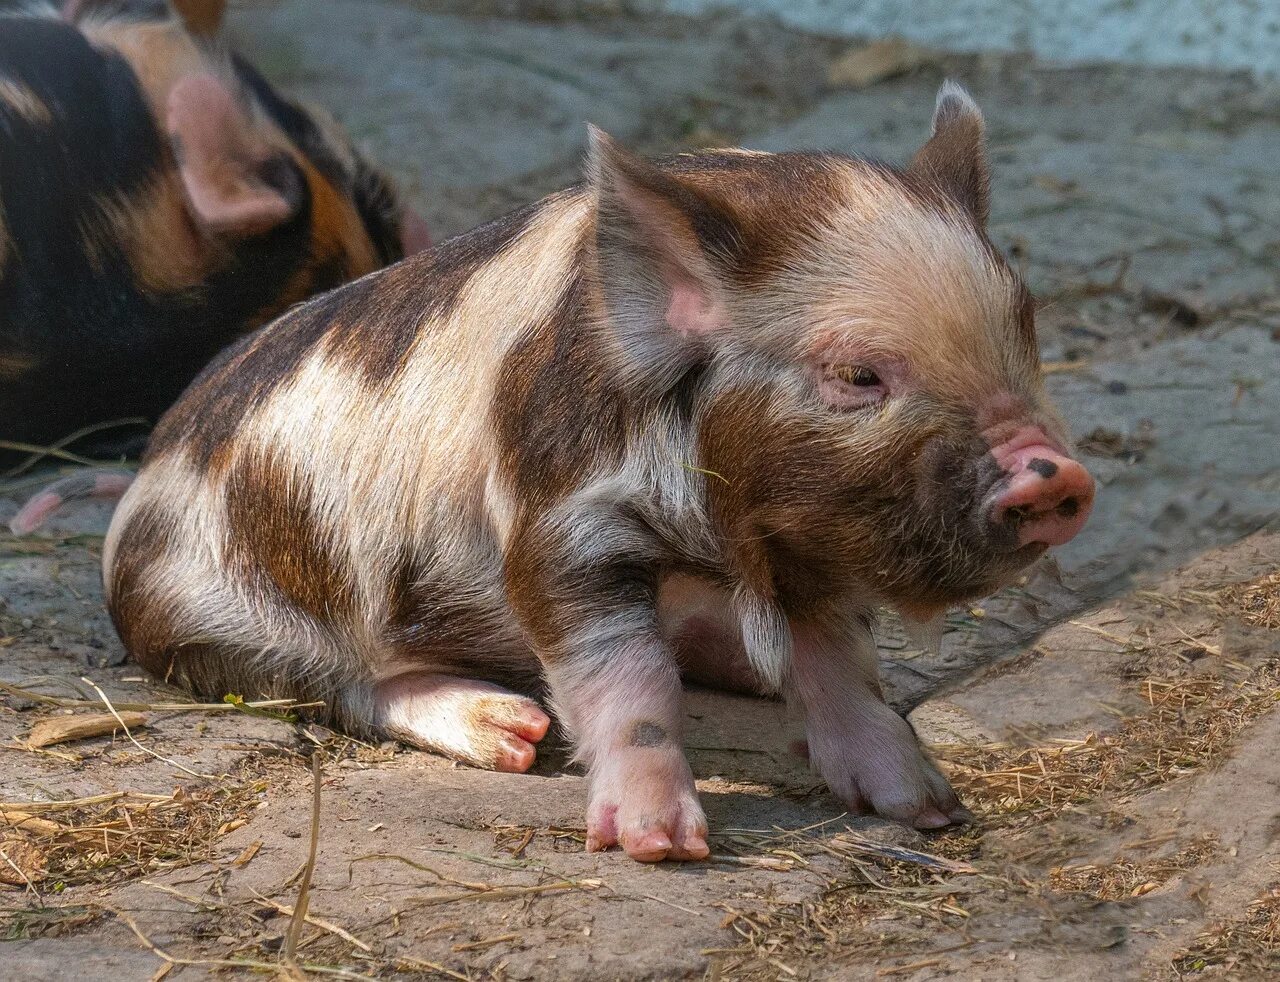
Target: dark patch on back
(383, 323)
(368, 326)
(557, 409)
(278, 544)
(236, 382)
(1045, 468)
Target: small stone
(1117, 388)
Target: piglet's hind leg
(466, 719)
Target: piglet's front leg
(616, 687)
(867, 753)
(625, 712)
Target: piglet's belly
(697, 620)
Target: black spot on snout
(648, 734)
(1045, 468)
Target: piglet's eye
(858, 375)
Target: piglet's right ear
(659, 243)
(237, 183)
(955, 158)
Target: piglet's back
(396, 364)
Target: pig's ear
(237, 183)
(955, 158)
(203, 17)
(656, 241)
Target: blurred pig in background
(158, 199)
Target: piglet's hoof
(890, 776)
(644, 800)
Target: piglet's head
(863, 363)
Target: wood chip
(31, 823)
(246, 856)
(21, 862)
(64, 729)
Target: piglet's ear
(955, 158)
(657, 243)
(203, 17)
(237, 183)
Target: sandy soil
(1112, 720)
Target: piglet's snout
(1045, 498)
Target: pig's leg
(585, 590)
(466, 719)
(867, 753)
(624, 709)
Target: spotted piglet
(693, 419)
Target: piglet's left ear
(955, 158)
(238, 184)
(657, 242)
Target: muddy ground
(1112, 720)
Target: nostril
(1069, 508)
(1015, 516)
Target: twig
(304, 889)
(509, 893)
(158, 707)
(485, 942)
(35, 448)
(97, 799)
(132, 739)
(319, 922)
(40, 452)
(911, 967)
(432, 966)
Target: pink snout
(1047, 496)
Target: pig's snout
(1045, 497)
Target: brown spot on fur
(648, 734)
(775, 202)
(551, 382)
(143, 624)
(278, 543)
(154, 230)
(416, 292)
(813, 518)
(338, 237)
(19, 100)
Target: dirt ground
(1112, 720)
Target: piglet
(696, 418)
(158, 199)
